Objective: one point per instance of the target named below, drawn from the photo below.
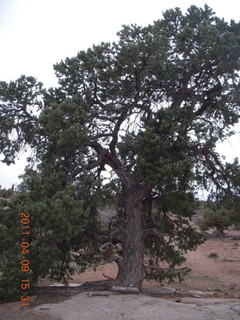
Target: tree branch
(209, 101)
(151, 232)
(107, 249)
(114, 141)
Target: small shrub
(213, 255)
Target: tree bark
(131, 270)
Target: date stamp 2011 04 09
(25, 252)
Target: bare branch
(107, 277)
(103, 247)
(88, 167)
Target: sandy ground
(218, 274)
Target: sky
(35, 34)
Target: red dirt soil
(215, 274)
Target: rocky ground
(161, 304)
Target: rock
(197, 292)
(141, 307)
(200, 294)
(235, 237)
(236, 309)
(159, 291)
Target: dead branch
(107, 277)
(98, 294)
(103, 247)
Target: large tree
(142, 117)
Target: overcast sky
(35, 34)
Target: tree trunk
(220, 231)
(131, 270)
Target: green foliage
(161, 156)
(5, 194)
(176, 237)
(61, 225)
(10, 273)
(20, 101)
(218, 218)
(222, 210)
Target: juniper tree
(143, 116)
(222, 208)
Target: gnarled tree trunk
(131, 270)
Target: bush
(10, 273)
(59, 225)
(219, 218)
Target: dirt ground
(215, 268)
(221, 274)
(215, 274)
